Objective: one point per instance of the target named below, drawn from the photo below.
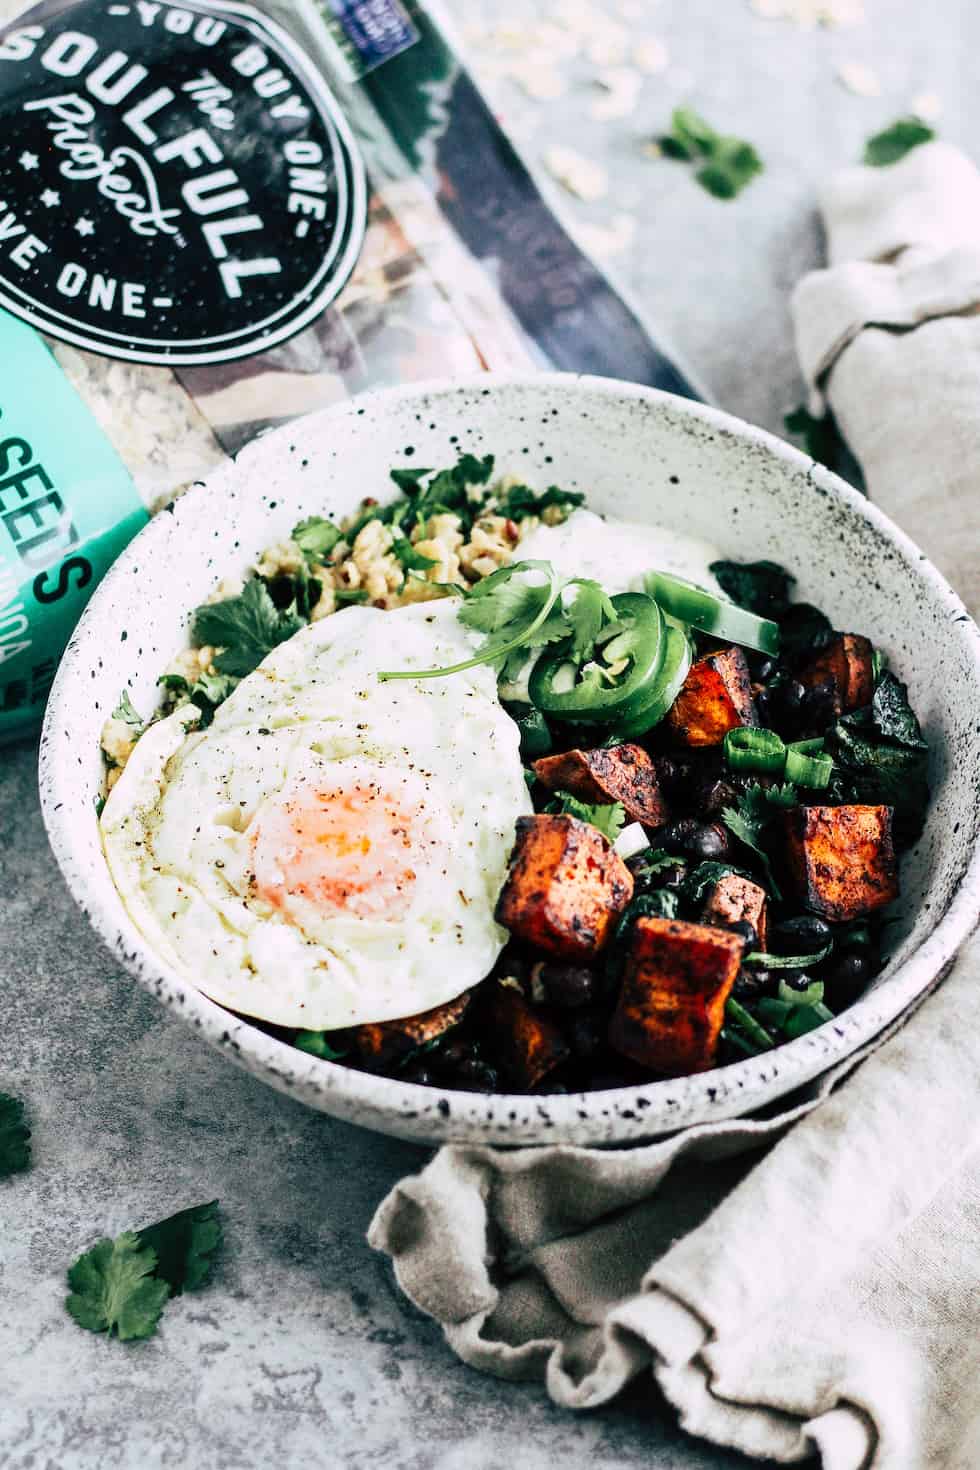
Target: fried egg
(330, 850)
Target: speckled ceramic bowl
(640, 455)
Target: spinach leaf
(763, 587)
(881, 758)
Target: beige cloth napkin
(827, 1299)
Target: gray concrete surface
(302, 1352)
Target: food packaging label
(68, 506)
(177, 183)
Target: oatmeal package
(214, 218)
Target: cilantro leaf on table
(125, 712)
(316, 537)
(15, 1145)
(113, 1289)
(121, 1286)
(245, 627)
(185, 1245)
(892, 144)
(608, 817)
(727, 164)
(763, 587)
(821, 440)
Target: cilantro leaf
(409, 481)
(894, 142)
(519, 501)
(587, 613)
(763, 587)
(608, 817)
(184, 1246)
(697, 882)
(174, 683)
(410, 559)
(727, 164)
(15, 1147)
(749, 820)
(245, 628)
(316, 537)
(114, 1290)
(124, 711)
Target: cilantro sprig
(245, 628)
(523, 607)
(121, 1286)
(748, 821)
(726, 165)
(15, 1137)
(607, 817)
(893, 142)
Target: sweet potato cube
(379, 1043)
(846, 663)
(623, 773)
(566, 887)
(524, 1044)
(734, 899)
(716, 697)
(841, 859)
(672, 1002)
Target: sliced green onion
(699, 608)
(736, 1039)
(741, 1017)
(803, 769)
(786, 961)
(811, 996)
(315, 1043)
(754, 750)
(807, 1018)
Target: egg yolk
(352, 848)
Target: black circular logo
(177, 184)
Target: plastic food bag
(191, 251)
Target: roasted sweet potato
(842, 859)
(716, 697)
(523, 1043)
(623, 773)
(379, 1043)
(565, 888)
(846, 663)
(733, 899)
(672, 1002)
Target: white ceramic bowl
(640, 455)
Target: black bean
(667, 773)
(567, 986)
(763, 706)
(804, 934)
(790, 696)
(453, 1054)
(706, 842)
(798, 980)
(747, 932)
(845, 979)
(752, 983)
(714, 796)
(417, 1072)
(818, 709)
(472, 1075)
(761, 667)
(585, 1034)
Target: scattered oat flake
(810, 13)
(602, 241)
(581, 176)
(928, 106)
(621, 87)
(540, 81)
(859, 79)
(651, 55)
(611, 48)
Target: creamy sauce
(617, 553)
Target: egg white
(179, 826)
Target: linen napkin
(825, 1300)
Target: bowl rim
(640, 1111)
